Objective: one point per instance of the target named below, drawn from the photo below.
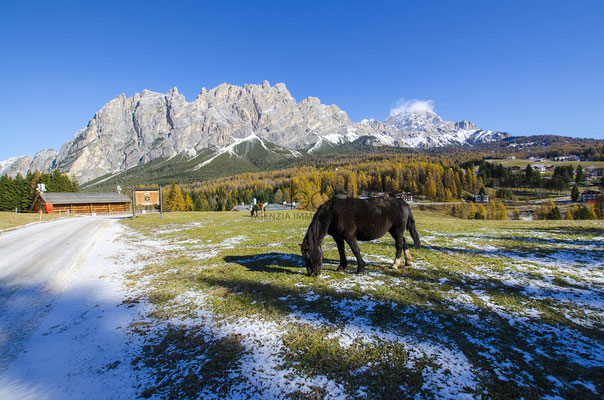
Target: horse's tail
(412, 230)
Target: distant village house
(481, 198)
(590, 196)
(405, 196)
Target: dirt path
(62, 320)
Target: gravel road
(61, 320)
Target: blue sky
(525, 67)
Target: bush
(584, 213)
(554, 213)
(503, 194)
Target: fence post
(15, 216)
(161, 204)
(40, 214)
(133, 203)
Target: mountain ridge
(132, 131)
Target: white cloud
(412, 106)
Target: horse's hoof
(394, 266)
(341, 268)
(407, 264)
(360, 271)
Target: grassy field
(489, 309)
(10, 220)
(524, 163)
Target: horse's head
(313, 258)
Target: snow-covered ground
(63, 323)
(74, 323)
(486, 329)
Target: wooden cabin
(81, 203)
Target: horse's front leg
(354, 246)
(342, 251)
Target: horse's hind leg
(342, 251)
(354, 246)
(408, 258)
(399, 241)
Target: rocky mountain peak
(130, 131)
(466, 125)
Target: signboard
(147, 197)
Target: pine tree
(471, 214)
(599, 207)
(554, 213)
(175, 201)
(574, 193)
(481, 213)
(529, 175)
(75, 186)
(430, 188)
(492, 214)
(6, 186)
(579, 175)
(458, 185)
(592, 210)
(569, 215)
(352, 185)
(188, 203)
(584, 213)
(502, 212)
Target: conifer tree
(430, 188)
(75, 186)
(471, 214)
(579, 175)
(502, 212)
(481, 213)
(492, 211)
(188, 203)
(175, 201)
(599, 207)
(574, 193)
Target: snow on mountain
(131, 131)
(425, 128)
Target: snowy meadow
(489, 309)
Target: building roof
(84, 198)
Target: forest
(19, 192)
(429, 177)
(423, 177)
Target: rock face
(14, 166)
(128, 132)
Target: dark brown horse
(348, 220)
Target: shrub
(584, 213)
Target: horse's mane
(314, 229)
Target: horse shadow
(279, 262)
(269, 262)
